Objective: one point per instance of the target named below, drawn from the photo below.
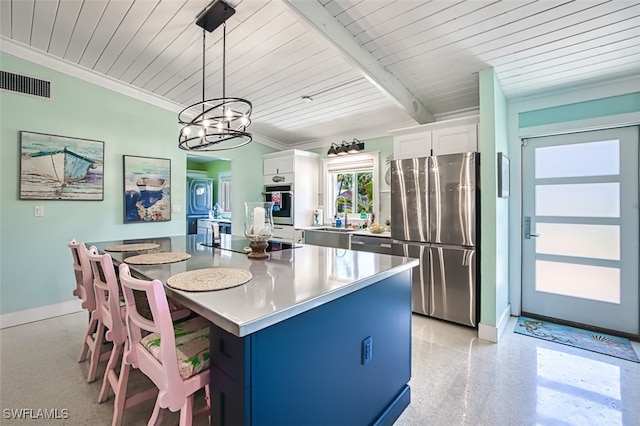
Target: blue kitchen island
(319, 336)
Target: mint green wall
(35, 263)
(494, 262)
(612, 105)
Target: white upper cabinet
(454, 140)
(412, 145)
(280, 164)
(438, 138)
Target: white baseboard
(491, 333)
(40, 313)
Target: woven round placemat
(209, 279)
(133, 247)
(157, 258)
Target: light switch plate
(177, 208)
(38, 211)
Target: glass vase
(258, 227)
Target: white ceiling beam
(320, 20)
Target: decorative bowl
(376, 229)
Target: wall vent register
(23, 84)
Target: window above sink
(350, 186)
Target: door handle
(527, 229)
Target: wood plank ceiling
(433, 49)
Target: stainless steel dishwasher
(371, 244)
(327, 237)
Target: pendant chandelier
(207, 124)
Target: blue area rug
(606, 344)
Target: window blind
(349, 166)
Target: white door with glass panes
(580, 228)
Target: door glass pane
(580, 200)
(584, 281)
(592, 241)
(581, 159)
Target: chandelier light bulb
(244, 120)
(186, 131)
(229, 114)
(201, 132)
(219, 125)
(206, 122)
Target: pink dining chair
(110, 311)
(174, 356)
(93, 337)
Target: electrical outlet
(367, 350)
(177, 208)
(38, 211)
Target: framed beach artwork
(147, 189)
(60, 168)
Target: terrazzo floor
(457, 379)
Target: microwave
(282, 198)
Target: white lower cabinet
(287, 234)
(283, 233)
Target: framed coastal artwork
(60, 168)
(147, 189)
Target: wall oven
(282, 198)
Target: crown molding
(63, 66)
(38, 57)
(575, 94)
(267, 141)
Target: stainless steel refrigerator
(434, 217)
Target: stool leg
(207, 399)
(121, 391)
(85, 347)
(186, 412)
(156, 416)
(110, 372)
(95, 352)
